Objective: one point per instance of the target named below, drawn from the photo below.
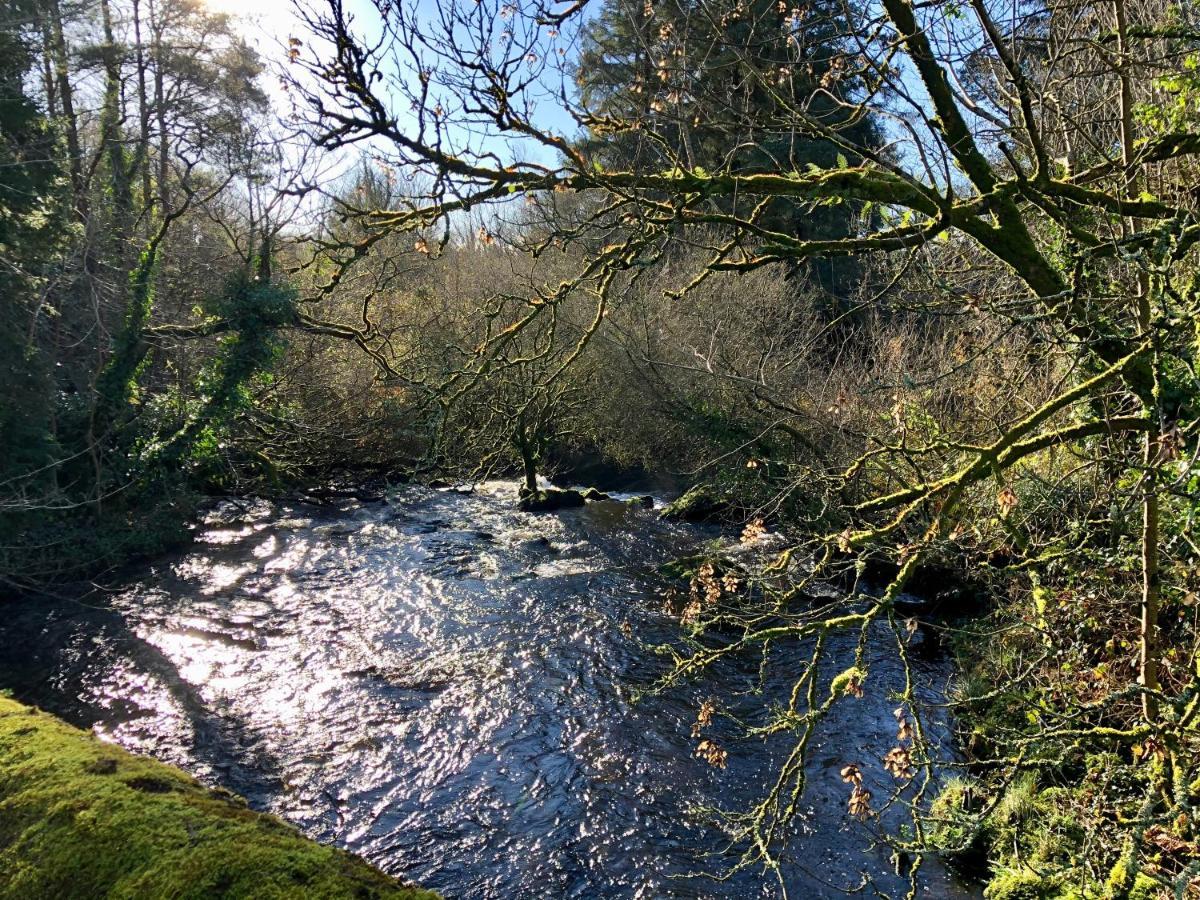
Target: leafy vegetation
(913, 285)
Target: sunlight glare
(259, 18)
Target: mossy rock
(550, 500)
(701, 503)
(962, 840)
(1022, 884)
(81, 818)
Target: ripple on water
(446, 686)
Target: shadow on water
(449, 688)
(82, 660)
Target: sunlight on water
(267, 548)
(445, 685)
(198, 660)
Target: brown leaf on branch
(712, 753)
(899, 763)
(860, 803)
(1006, 501)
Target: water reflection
(445, 686)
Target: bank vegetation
(913, 284)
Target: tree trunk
(111, 133)
(66, 100)
(157, 26)
(1148, 637)
(263, 263)
(142, 156)
(1150, 580)
(49, 84)
(528, 456)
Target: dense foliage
(142, 194)
(914, 285)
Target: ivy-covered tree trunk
(527, 447)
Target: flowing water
(452, 689)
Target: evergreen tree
(729, 85)
(30, 231)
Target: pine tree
(30, 232)
(728, 85)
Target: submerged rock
(541, 544)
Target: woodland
(912, 284)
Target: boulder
(549, 500)
(700, 503)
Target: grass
(81, 818)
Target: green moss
(80, 818)
(957, 831)
(1022, 884)
(700, 503)
(1029, 840)
(852, 678)
(1124, 885)
(1118, 877)
(1019, 803)
(1145, 888)
(1067, 822)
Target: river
(452, 689)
